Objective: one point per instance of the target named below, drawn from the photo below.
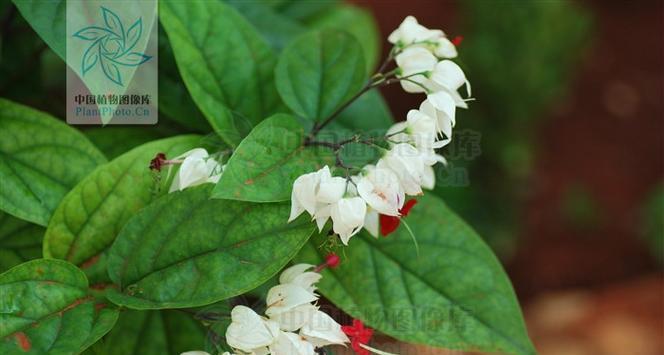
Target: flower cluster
(378, 192)
(196, 167)
(290, 309)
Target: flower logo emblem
(112, 46)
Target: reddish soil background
(597, 290)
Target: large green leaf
(359, 23)
(276, 28)
(175, 102)
(46, 308)
(226, 65)
(152, 333)
(19, 241)
(47, 18)
(319, 72)
(279, 29)
(186, 250)
(454, 294)
(106, 138)
(41, 159)
(91, 215)
(265, 164)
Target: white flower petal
(429, 178)
(303, 196)
(331, 189)
(322, 330)
(248, 331)
(295, 318)
(289, 274)
(282, 298)
(381, 190)
(372, 222)
(291, 344)
(348, 217)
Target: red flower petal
(388, 224)
(407, 206)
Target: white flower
(298, 275)
(429, 178)
(197, 168)
(381, 190)
(441, 106)
(295, 318)
(321, 330)
(331, 188)
(303, 196)
(348, 217)
(291, 344)
(448, 76)
(419, 129)
(283, 298)
(314, 193)
(372, 222)
(412, 61)
(406, 162)
(410, 31)
(198, 352)
(249, 332)
(444, 48)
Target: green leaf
(319, 72)
(106, 138)
(454, 294)
(47, 18)
(47, 308)
(276, 28)
(41, 159)
(87, 221)
(153, 333)
(226, 65)
(358, 22)
(185, 250)
(19, 241)
(175, 103)
(301, 10)
(265, 164)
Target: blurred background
(567, 185)
(558, 163)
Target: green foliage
(279, 25)
(152, 333)
(48, 20)
(19, 241)
(87, 221)
(175, 102)
(453, 294)
(225, 64)
(265, 164)
(41, 158)
(106, 138)
(185, 250)
(47, 308)
(356, 21)
(319, 72)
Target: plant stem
(318, 127)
